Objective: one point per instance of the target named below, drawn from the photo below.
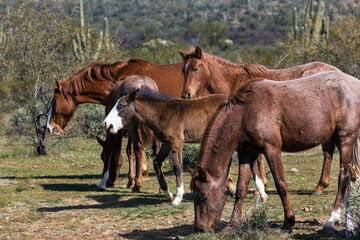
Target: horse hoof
(329, 228)
(130, 185)
(145, 173)
(176, 201)
(110, 184)
(136, 189)
(315, 193)
(101, 188)
(264, 198)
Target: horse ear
(101, 142)
(182, 54)
(58, 84)
(132, 96)
(203, 174)
(198, 52)
(192, 171)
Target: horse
(173, 121)
(352, 217)
(267, 117)
(206, 74)
(111, 144)
(93, 84)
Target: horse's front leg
(246, 162)
(116, 159)
(178, 169)
(273, 156)
(158, 160)
(346, 148)
(328, 148)
(130, 155)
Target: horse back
(169, 78)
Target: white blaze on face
(113, 121)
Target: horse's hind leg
(328, 150)
(259, 176)
(139, 154)
(130, 155)
(163, 153)
(178, 169)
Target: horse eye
(119, 106)
(195, 69)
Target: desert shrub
(354, 205)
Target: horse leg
(104, 175)
(130, 155)
(328, 148)
(245, 164)
(138, 150)
(230, 186)
(156, 146)
(158, 160)
(345, 154)
(178, 169)
(116, 159)
(259, 176)
(273, 156)
(143, 167)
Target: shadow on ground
(167, 233)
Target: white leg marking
(49, 116)
(179, 195)
(261, 187)
(102, 184)
(334, 218)
(233, 191)
(113, 119)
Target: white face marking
(113, 120)
(102, 184)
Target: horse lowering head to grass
(94, 83)
(267, 117)
(174, 122)
(206, 74)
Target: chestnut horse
(206, 74)
(267, 117)
(173, 121)
(93, 84)
(111, 145)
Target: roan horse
(93, 84)
(173, 121)
(267, 117)
(141, 135)
(206, 74)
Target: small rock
(307, 209)
(294, 170)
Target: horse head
(196, 74)
(209, 200)
(121, 114)
(61, 111)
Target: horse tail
(355, 156)
(147, 135)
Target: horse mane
(95, 72)
(254, 70)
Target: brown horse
(173, 121)
(267, 117)
(206, 74)
(93, 84)
(111, 145)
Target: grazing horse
(267, 117)
(206, 74)
(93, 84)
(173, 121)
(139, 135)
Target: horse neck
(148, 112)
(218, 144)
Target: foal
(173, 121)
